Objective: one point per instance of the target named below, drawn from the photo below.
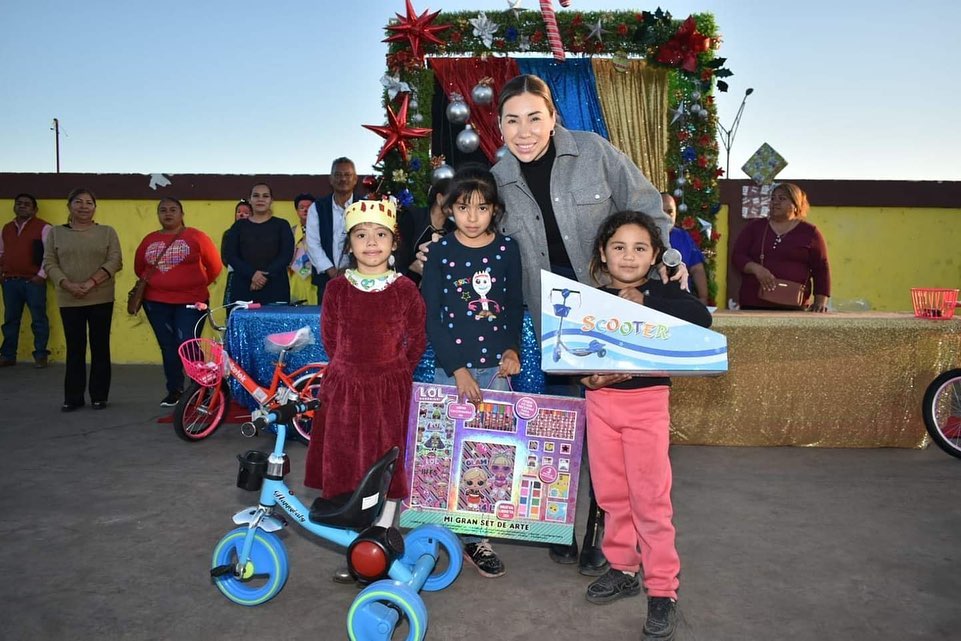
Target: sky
(849, 89)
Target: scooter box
(585, 330)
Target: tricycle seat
(358, 510)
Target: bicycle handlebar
(285, 413)
(208, 312)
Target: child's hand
(632, 294)
(680, 274)
(467, 387)
(510, 364)
(597, 381)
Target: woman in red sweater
(178, 263)
(783, 246)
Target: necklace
(778, 237)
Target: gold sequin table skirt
(817, 380)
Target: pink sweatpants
(628, 434)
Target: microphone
(671, 260)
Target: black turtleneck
(537, 175)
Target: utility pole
(56, 136)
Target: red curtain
(460, 75)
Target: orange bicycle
(204, 403)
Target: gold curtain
(635, 108)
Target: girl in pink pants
(628, 423)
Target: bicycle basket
(934, 303)
(203, 361)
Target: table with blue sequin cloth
(247, 329)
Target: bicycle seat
(359, 509)
(291, 341)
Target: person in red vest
(24, 281)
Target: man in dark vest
(325, 225)
(24, 281)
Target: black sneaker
(563, 553)
(613, 586)
(661, 619)
(484, 558)
(170, 400)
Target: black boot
(592, 561)
(563, 554)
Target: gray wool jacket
(591, 179)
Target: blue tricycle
(250, 565)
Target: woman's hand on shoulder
(597, 381)
(424, 248)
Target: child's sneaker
(484, 558)
(661, 619)
(612, 586)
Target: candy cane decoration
(553, 34)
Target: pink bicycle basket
(203, 361)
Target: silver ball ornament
(678, 193)
(703, 113)
(417, 118)
(458, 112)
(444, 172)
(681, 181)
(413, 104)
(501, 153)
(682, 208)
(696, 95)
(482, 94)
(468, 141)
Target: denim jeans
(16, 293)
(172, 324)
(487, 379)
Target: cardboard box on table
(507, 467)
(585, 330)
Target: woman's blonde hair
(796, 195)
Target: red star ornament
(396, 132)
(415, 29)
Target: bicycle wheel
(421, 540)
(264, 574)
(308, 387)
(942, 411)
(381, 607)
(200, 410)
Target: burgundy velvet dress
(374, 341)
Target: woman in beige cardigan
(81, 259)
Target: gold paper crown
(381, 212)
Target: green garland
(692, 150)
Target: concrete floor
(109, 520)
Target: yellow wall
(132, 340)
(877, 255)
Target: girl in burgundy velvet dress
(372, 325)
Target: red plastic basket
(934, 303)
(203, 361)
